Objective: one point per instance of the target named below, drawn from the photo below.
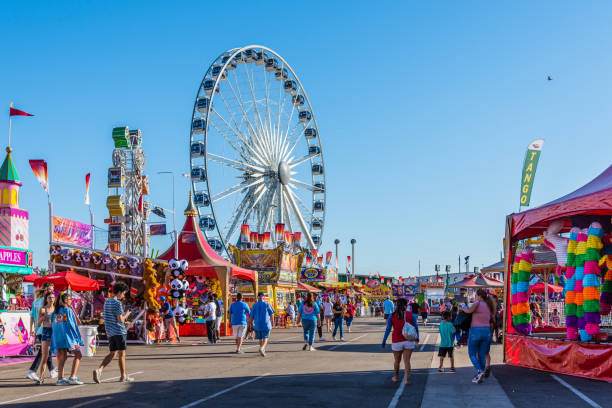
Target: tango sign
(529, 169)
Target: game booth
(206, 273)
(578, 229)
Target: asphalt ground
(354, 373)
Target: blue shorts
(262, 334)
(47, 333)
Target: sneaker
(97, 376)
(54, 373)
(334, 337)
(127, 379)
(341, 338)
(61, 381)
(452, 370)
(305, 347)
(478, 378)
(321, 338)
(312, 349)
(487, 372)
(441, 369)
(32, 375)
(209, 342)
(262, 352)
(74, 381)
(240, 352)
(41, 381)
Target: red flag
(39, 167)
(17, 112)
(87, 188)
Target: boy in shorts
(447, 329)
(114, 323)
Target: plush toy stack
(590, 282)
(579, 289)
(151, 285)
(571, 321)
(605, 263)
(521, 313)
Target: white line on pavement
(575, 391)
(397, 395)
(346, 342)
(66, 388)
(194, 403)
(424, 343)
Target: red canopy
(594, 197)
(539, 288)
(61, 280)
(31, 278)
(478, 281)
(302, 287)
(193, 247)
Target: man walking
(260, 318)
(36, 331)
(388, 308)
(169, 320)
(238, 316)
(219, 307)
(210, 313)
(114, 323)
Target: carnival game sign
(312, 275)
(12, 257)
(258, 259)
(373, 283)
(380, 291)
(530, 166)
(72, 232)
(14, 336)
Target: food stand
(584, 213)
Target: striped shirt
(112, 309)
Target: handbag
(408, 331)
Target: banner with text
(72, 232)
(529, 169)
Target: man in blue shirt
(260, 318)
(388, 307)
(114, 324)
(238, 316)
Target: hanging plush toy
(151, 285)
(571, 319)
(605, 263)
(522, 322)
(55, 252)
(180, 314)
(135, 266)
(590, 282)
(77, 260)
(557, 243)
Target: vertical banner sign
(529, 169)
(87, 188)
(39, 167)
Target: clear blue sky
(424, 110)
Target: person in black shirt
(414, 306)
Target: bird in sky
(549, 78)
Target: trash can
(88, 334)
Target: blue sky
(424, 110)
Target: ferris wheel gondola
(255, 151)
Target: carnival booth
(206, 273)
(578, 228)
(15, 264)
(277, 265)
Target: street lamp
(353, 242)
(173, 213)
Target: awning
(61, 281)
(539, 288)
(478, 281)
(302, 287)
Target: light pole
(353, 242)
(173, 214)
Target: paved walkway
(457, 389)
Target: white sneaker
(32, 376)
(54, 373)
(74, 381)
(312, 349)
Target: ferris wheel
(256, 154)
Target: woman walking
(479, 338)
(424, 312)
(349, 315)
(66, 339)
(338, 311)
(401, 347)
(309, 311)
(44, 320)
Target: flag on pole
(17, 112)
(529, 169)
(87, 188)
(39, 167)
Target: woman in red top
(350, 314)
(401, 347)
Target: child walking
(66, 339)
(447, 329)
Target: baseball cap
(260, 294)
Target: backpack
(409, 331)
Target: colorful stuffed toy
(579, 288)
(571, 320)
(605, 263)
(151, 285)
(521, 313)
(590, 283)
